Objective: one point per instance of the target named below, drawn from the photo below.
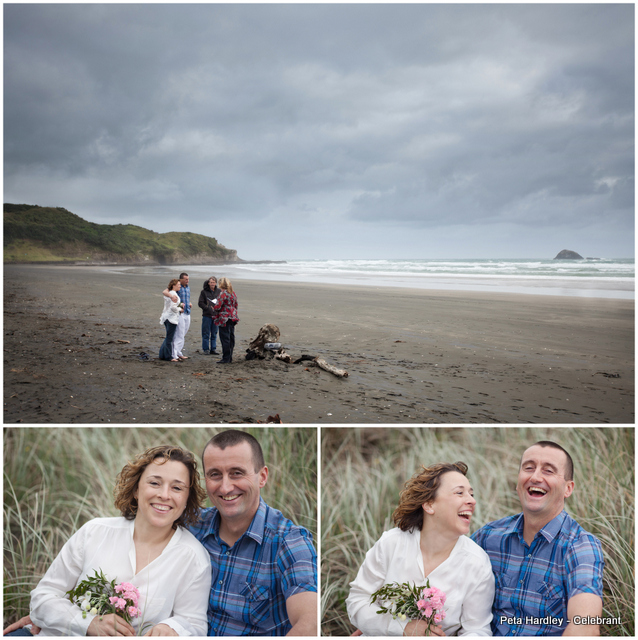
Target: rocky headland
(34, 234)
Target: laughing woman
(158, 495)
(429, 543)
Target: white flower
(403, 616)
(86, 605)
(93, 611)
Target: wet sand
(413, 356)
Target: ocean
(604, 278)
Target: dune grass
(57, 478)
(363, 471)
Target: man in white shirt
(184, 319)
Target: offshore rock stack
(565, 254)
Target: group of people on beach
(219, 314)
(238, 568)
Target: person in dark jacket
(209, 329)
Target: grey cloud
(422, 114)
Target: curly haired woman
(429, 543)
(158, 495)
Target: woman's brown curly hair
(129, 478)
(172, 283)
(421, 488)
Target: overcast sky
(330, 131)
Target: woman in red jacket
(226, 307)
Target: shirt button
(521, 582)
(221, 582)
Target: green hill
(48, 234)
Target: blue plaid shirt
(534, 582)
(273, 560)
(185, 296)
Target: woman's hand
(110, 625)
(162, 630)
(418, 627)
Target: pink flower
(128, 591)
(133, 612)
(439, 595)
(431, 604)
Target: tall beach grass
(57, 478)
(364, 469)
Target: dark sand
(413, 356)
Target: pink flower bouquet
(408, 602)
(98, 596)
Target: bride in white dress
(429, 542)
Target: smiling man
(549, 570)
(264, 578)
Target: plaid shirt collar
(550, 531)
(254, 531)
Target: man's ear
(569, 488)
(263, 477)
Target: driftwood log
(316, 360)
(270, 333)
(320, 362)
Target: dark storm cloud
(425, 115)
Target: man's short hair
(233, 437)
(569, 466)
(181, 275)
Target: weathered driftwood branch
(270, 333)
(316, 360)
(341, 373)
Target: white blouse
(171, 310)
(465, 577)
(174, 588)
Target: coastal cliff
(35, 234)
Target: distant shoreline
(281, 271)
(150, 263)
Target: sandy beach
(73, 336)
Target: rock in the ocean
(568, 255)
